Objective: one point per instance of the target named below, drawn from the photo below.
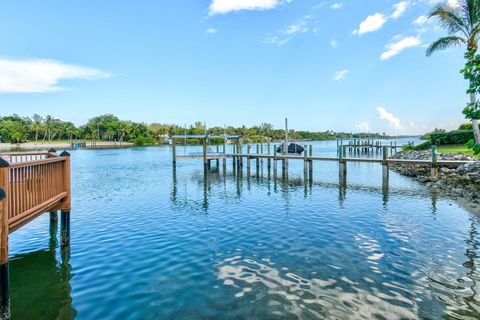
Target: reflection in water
(292, 294)
(41, 284)
(211, 177)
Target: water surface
(149, 242)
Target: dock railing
(33, 183)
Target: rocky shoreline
(461, 183)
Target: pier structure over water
(31, 183)
(263, 152)
(367, 146)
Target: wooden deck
(31, 184)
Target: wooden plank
(36, 162)
(38, 209)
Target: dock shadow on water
(41, 283)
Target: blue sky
(349, 65)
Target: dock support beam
(174, 152)
(269, 161)
(224, 156)
(248, 160)
(53, 216)
(65, 228)
(385, 170)
(305, 163)
(257, 164)
(434, 161)
(4, 276)
(342, 166)
(239, 159)
(66, 204)
(275, 164)
(205, 164)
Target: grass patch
(454, 149)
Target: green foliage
(422, 146)
(427, 136)
(471, 72)
(466, 126)
(452, 137)
(473, 146)
(110, 128)
(142, 140)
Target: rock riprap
(462, 181)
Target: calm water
(151, 243)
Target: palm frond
(444, 43)
(471, 9)
(451, 19)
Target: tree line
(108, 127)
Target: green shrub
(472, 146)
(142, 140)
(422, 146)
(452, 137)
(466, 126)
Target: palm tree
(462, 22)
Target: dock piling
(385, 170)
(342, 166)
(275, 162)
(257, 163)
(205, 163)
(174, 152)
(248, 160)
(4, 276)
(305, 162)
(434, 169)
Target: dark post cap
(64, 154)
(4, 163)
(2, 194)
(51, 150)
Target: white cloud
(211, 30)
(453, 3)
(334, 43)
(363, 127)
(226, 6)
(276, 40)
(336, 5)
(299, 27)
(340, 75)
(395, 48)
(400, 9)
(36, 76)
(288, 33)
(389, 117)
(421, 20)
(371, 23)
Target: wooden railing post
(66, 203)
(4, 278)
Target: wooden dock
(31, 184)
(239, 158)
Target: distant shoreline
(62, 144)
